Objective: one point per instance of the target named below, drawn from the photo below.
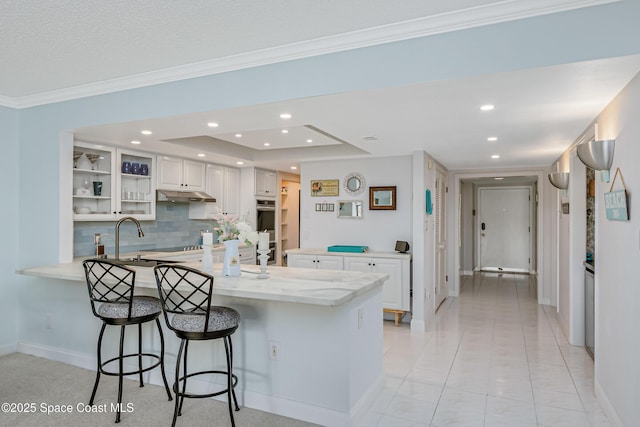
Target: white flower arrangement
(230, 227)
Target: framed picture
(325, 187)
(318, 207)
(331, 207)
(382, 198)
(325, 207)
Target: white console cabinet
(396, 290)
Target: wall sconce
(560, 180)
(598, 155)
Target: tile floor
(494, 357)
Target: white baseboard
(262, 402)
(612, 416)
(8, 349)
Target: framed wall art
(325, 187)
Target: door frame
(539, 241)
(478, 231)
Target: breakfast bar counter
(309, 345)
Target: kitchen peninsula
(309, 344)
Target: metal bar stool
(186, 294)
(111, 289)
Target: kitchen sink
(142, 262)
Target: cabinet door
(301, 261)
(231, 203)
(247, 255)
(194, 176)
(357, 264)
(392, 290)
(329, 262)
(170, 173)
(266, 182)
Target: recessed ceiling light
(498, 178)
(239, 163)
(309, 141)
(495, 156)
(487, 107)
(294, 167)
(285, 116)
(212, 124)
(266, 144)
(492, 138)
(370, 138)
(146, 132)
(238, 135)
(284, 131)
(201, 154)
(135, 142)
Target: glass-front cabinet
(109, 183)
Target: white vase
(231, 264)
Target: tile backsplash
(171, 228)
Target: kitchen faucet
(120, 221)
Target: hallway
(494, 358)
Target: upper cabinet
(266, 183)
(181, 175)
(110, 183)
(223, 183)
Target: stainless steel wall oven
(266, 221)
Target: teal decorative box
(347, 248)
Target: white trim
(612, 415)
(499, 11)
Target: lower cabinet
(392, 289)
(396, 290)
(319, 262)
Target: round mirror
(354, 183)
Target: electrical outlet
(274, 350)
(360, 317)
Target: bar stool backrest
(109, 282)
(184, 290)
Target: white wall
(9, 218)
(467, 230)
(377, 229)
(617, 293)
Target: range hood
(183, 196)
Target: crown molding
(499, 11)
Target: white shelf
(91, 171)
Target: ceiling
(91, 47)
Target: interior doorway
(288, 229)
(504, 229)
(465, 232)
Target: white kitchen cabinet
(266, 183)
(223, 183)
(320, 262)
(396, 290)
(122, 192)
(181, 175)
(392, 292)
(247, 255)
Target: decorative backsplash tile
(172, 227)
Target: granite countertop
(293, 285)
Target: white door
(441, 291)
(504, 221)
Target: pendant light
(560, 180)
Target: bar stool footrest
(234, 381)
(137, 371)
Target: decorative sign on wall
(615, 202)
(325, 187)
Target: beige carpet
(26, 379)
